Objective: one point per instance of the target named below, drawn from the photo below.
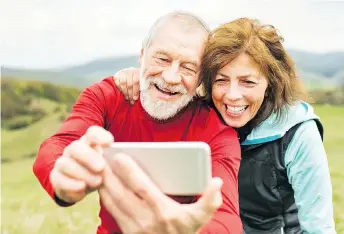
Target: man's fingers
(124, 204)
(126, 81)
(112, 208)
(73, 170)
(211, 200)
(202, 211)
(137, 181)
(114, 186)
(96, 135)
(123, 79)
(63, 182)
(86, 156)
(67, 189)
(118, 77)
(125, 199)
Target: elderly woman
(284, 180)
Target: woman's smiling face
(238, 90)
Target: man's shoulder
(105, 86)
(106, 95)
(105, 90)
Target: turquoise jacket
(306, 164)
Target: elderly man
(69, 164)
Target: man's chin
(159, 113)
(161, 109)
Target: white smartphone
(177, 168)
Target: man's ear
(141, 56)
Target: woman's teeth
(237, 110)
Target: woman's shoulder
(306, 144)
(278, 124)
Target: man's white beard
(161, 109)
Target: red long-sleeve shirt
(102, 104)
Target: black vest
(267, 202)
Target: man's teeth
(235, 109)
(165, 90)
(168, 91)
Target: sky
(53, 34)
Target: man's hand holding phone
(126, 191)
(139, 206)
(80, 169)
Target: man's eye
(162, 59)
(190, 69)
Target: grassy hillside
(24, 143)
(30, 111)
(26, 208)
(19, 97)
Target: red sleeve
(88, 110)
(226, 156)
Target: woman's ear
(200, 91)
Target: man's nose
(171, 74)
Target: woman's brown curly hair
(264, 45)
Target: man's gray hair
(187, 20)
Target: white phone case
(177, 168)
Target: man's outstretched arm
(89, 110)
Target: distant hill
(79, 75)
(326, 65)
(317, 70)
(320, 70)
(101, 67)
(46, 76)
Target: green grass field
(332, 118)
(26, 208)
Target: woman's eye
(220, 80)
(249, 82)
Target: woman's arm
(309, 175)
